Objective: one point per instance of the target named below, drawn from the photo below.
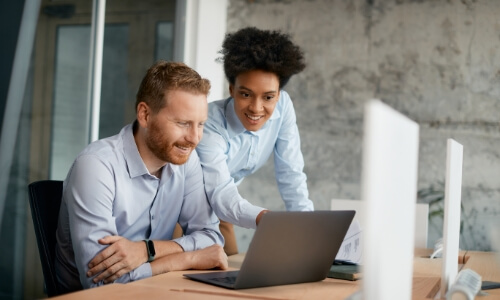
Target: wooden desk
(173, 285)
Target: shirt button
(152, 217)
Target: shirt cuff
(186, 242)
(143, 271)
(249, 216)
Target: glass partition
(71, 111)
(54, 123)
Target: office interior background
(436, 61)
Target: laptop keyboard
(229, 279)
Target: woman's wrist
(259, 216)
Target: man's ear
(231, 89)
(143, 114)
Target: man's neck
(157, 174)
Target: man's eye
(245, 95)
(268, 98)
(183, 124)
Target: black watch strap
(150, 247)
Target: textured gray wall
(436, 61)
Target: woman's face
(255, 95)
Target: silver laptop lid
(293, 247)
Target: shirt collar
(136, 166)
(234, 126)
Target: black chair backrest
(45, 200)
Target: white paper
(351, 249)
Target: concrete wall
(436, 61)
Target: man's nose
(193, 136)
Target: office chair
(45, 199)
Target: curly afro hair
(254, 49)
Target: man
(258, 119)
(124, 194)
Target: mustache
(185, 145)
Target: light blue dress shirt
(228, 153)
(109, 191)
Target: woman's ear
(143, 114)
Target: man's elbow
(88, 283)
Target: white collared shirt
(109, 191)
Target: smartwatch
(151, 250)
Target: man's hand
(121, 257)
(207, 258)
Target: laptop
(287, 248)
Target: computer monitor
(389, 191)
(452, 211)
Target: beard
(163, 148)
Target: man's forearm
(207, 258)
(171, 262)
(164, 248)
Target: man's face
(255, 94)
(177, 128)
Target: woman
(256, 120)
